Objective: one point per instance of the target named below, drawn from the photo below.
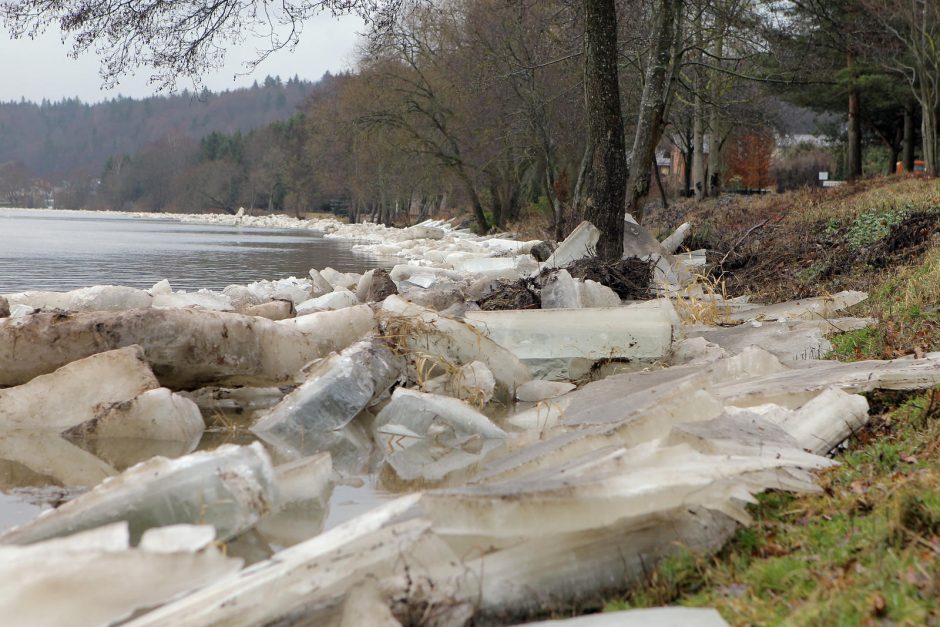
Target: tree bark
(908, 157)
(698, 118)
(653, 103)
(853, 160)
(607, 191)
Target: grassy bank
(866, 549)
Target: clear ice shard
(230, 488)
(560, 291)
(631, 332)
(336, 389)
(579, 244)
(304, 488)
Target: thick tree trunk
(607, 192)
(908, 157)
(653, 103)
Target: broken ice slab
(122, 453)
(339, 279)
(320, 285)
(804, 309)
(638, 242)
(186, 348)
(790, 340)
(95, 578)
(230, 488)
(421, 331)
(544, 415)
(579, 244)
(78, 392)
(96, 298)
(339, 299)
(155, 415)
(272, 310)
(537, 390)
(351, 447)
(411, 416)
(202, 299)
(608, 485)
(822, 423)
(310, 580)
(795, 386)
(428, 462)
(473, 383)
(560, 291)
(671, 244)
(365, 605)
(335, 391)
(648, 617)
(593, 294)
(631, 332)
(304, 490)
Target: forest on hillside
(481, 106)
(71, 140)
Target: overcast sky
(41, 68)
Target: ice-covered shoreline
(430, 242)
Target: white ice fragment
(94, 578)
(649, 617)
(186, 348)
(426, 332)
(339, 299)
(320, 285)
(161, 288)
(442, 418)
(203, 300)
(78, 392)
(177, 538)
(593, 294)
(560, 291)
(579, 244)
(422, 280)
(820, 307)
(473, 383)
(671, 244)
(538, 390)
(153, 415)
(230, 488)
(339, 279)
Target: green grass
(864, 551)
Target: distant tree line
(556, 106)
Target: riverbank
(526, 420)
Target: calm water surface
(64, 250)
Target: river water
(64, 250)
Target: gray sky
(37, 69)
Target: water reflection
(64, 250)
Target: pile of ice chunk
(535, 459)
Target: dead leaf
(879, 607)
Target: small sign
(823, 176)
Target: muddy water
(64, 250)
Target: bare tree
(915, 27)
